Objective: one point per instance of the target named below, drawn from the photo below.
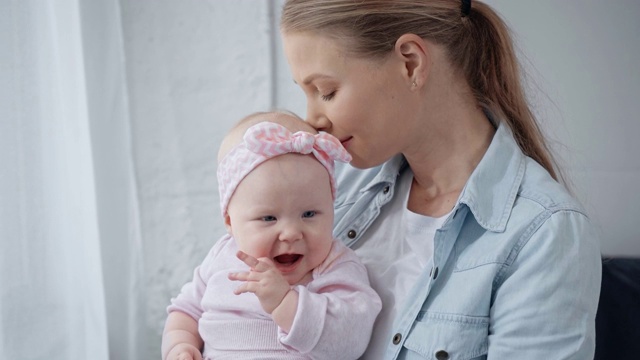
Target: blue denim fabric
(516, 267)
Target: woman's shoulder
(540, 188)
(534, 218)
(506, 182)
(544, 204)
(538, 199)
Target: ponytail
(484, 51)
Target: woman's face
(361, 102)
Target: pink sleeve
(336, 311)
(189, 299)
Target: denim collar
(388, 173)
(493, 186)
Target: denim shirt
(516, 267)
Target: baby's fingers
(250, 287)
(244, 276)
(247, 259)
(261, 265)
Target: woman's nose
(319, 121)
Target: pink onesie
(334, 320)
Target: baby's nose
(291, 231)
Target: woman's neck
(446, 153)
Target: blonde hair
(478, 44)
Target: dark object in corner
(618, 317)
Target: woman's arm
(546, 300)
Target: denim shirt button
(442, 355)
(435, 272)
(351, 234)
(396, 338)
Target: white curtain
(69, 235)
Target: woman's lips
(346, 142)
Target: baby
(277, 285)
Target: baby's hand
(184, 352)
(264, 280)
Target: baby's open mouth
(285, 262)
(287, 259)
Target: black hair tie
(465, 8)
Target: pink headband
(267, 140)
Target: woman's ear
(414, 53)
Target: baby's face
(283, 210)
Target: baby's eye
(308, 214)
(269, 218)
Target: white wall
(195, 67)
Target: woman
(474, 246)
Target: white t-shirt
(395, 250)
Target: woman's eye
(269, 218)
(308, 214)
(328, 96)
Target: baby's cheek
(321, 251)
(255, 246)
